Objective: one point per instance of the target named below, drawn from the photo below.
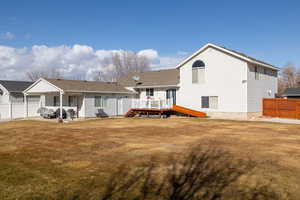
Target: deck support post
(25, 106)
(61, 104)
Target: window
(198, 72)
(100, 101)
(209, 102)
(56, 101)
(72, 101)
(256, 74)
(149, 92)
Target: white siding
(4, 111)
(113, 107)
(224, 77)
(265, 87)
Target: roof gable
(233, 53)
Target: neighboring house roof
(87, 86)
(160, 78)
(234, 53)
(15, 86)
(291, 92)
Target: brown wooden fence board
(283, 108)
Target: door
(171, 96)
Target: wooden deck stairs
(147, 111)
(188, 111)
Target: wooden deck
(161, 112)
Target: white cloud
(149, 53)
(72, 61)
(7, 36)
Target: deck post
(61, 104)
(25, 106)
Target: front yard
(43, 158)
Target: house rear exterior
(224, 82)
(215, 80)
(86, 98)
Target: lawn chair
(71, 113)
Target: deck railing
(152, 103)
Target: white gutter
(156, 86)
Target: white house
(12, 100)
(217, 80)
(85, 98)
(214, 80)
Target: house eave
(155, 86)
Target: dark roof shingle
(169, 77)
(15, 86)
(291, 92)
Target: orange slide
(187, 111)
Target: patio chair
(64, 113)
(71, 113)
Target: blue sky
(267, 30)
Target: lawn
(43, 157)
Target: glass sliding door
(171, 96)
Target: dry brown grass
(40, 157)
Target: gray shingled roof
(169, 77)
(88, 86)
(291, 92)
(15, 86)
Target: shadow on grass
(202, 174)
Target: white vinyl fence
(16, 110)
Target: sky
(75, 36)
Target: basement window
(209, 102)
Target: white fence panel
(33, 109)
(17, 110)
(4, 111)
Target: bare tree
(289, 77)
(35, 75)
(120, 64)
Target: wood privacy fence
(282, 108)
